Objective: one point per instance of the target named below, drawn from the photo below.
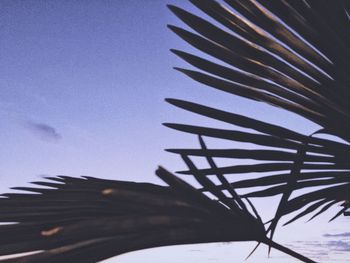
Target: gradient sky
(82, 92)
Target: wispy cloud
(334, 247)
(339, 245)
(44, 131)
(345, 234)
(341, 242)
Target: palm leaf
(277, 52)
(89, 219)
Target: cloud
(44, 131)
(342, 242)
(345, 234)
(335, 248)
(339, 245)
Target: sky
(82, 92)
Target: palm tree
(276, 52)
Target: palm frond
(89, 219)
(277, 52)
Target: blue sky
(82, 92)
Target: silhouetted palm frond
(292, 54)
(89, 219)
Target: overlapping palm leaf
(292, 54)
(89, 219)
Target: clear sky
(82, 91)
